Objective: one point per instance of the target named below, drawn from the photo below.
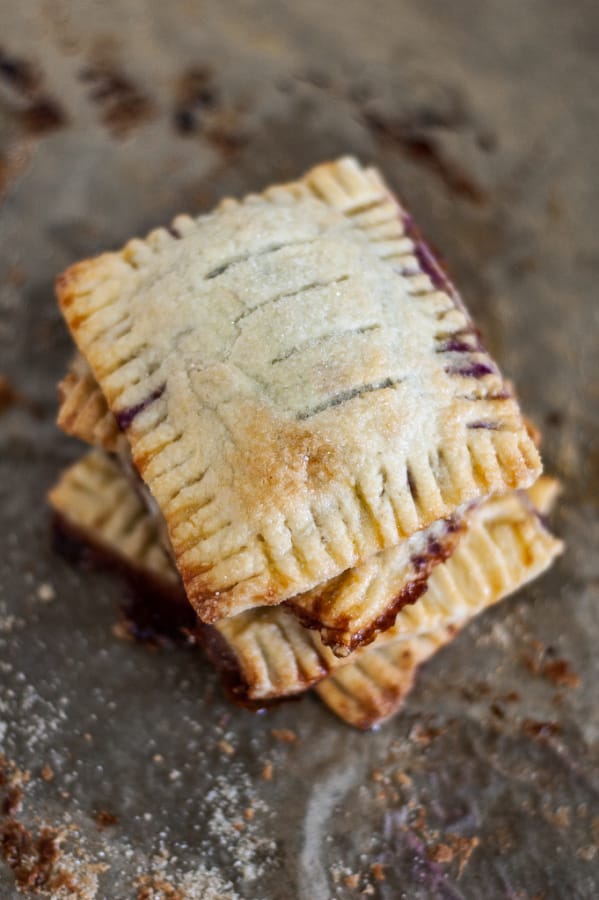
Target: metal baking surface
(114, 117)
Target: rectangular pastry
(349, 610)
(266, 653)
(302, 390)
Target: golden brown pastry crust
(352, 609)
(374, 687)
(97, 500)
(505, 546)
(83, 411)
(299, 383)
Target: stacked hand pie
(297, 428)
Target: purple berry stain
(472, 370)
(126, 416)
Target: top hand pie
(300, 385)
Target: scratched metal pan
(115, 116)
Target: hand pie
(300, 385)
(266, 653)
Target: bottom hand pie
(266, 654)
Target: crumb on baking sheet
(226, 747)
(285, 735)
(539, 730)
(43, 115)
(464, 847)
(454, 847)
(195, 94)
(202, 883)
(587, 852)
(542, 660)
(45, 592)
(30, 104)
(441, 853)
(123, 104)
(48, 859)
(424, 734)
(105, 819)
(561, 817)
(8, 394)
(18, 73)
(561, 673)
(511, 697)
(12, 801)
(402, 778)
(36, 853)
(378, 871)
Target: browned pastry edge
(83, 412)
(93, 299)
(410, 656)
(226, 664)
(160, 608)
(337, 637)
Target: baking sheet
(115, 116)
